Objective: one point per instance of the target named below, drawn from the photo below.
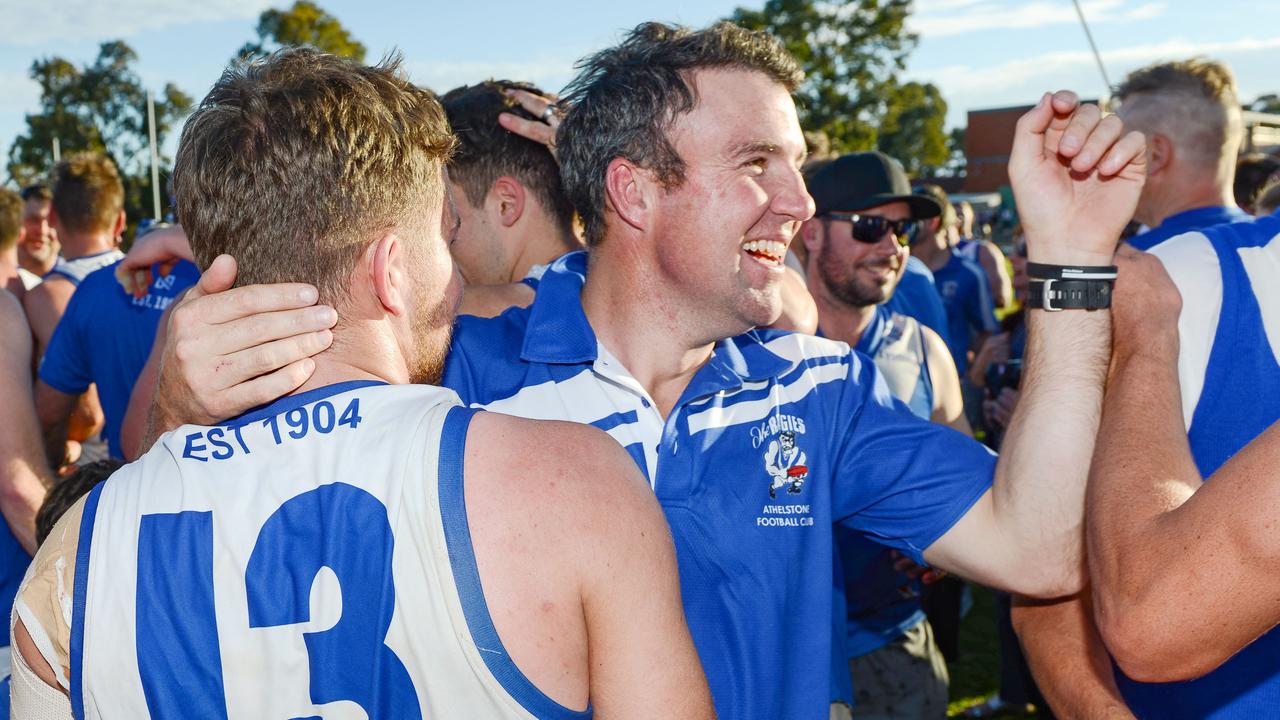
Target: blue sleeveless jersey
(1241, 399)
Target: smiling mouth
(769, 252)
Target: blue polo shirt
(966, 296)
(777, 438)
(917, 296)
(104, 338)
(1188, 221)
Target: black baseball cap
(858, 181)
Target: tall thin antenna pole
(57, 150)
(155, 156)
(1096, 55)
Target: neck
(1192, 198)
(360, 351)
(839, 321)
(933, 251)
(542, 248)
(8, 264)
(34, 265)
(79, 245)
(643, 326)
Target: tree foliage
(851, 52)
(1269, 103)
(912, 127)
(303, 24)
(101, 107)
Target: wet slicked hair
(487, 151)
(625, 99)
(295, 163)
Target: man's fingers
(1079, 128)
(1028, 138)
(1130, 149)
(269, 357)
(264, 389)
(241, 302)
(1107, 132)
(255, 330)
(534, 130)
(219, 276)
(1065, 101)
(536, 105)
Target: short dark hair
(293, 163)
(38, 191)
(10, 218)
(487, 151)
(625, 98)
(67, 491)
(1252, 173)
(87, 193)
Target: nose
(792, 199)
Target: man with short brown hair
(456, 543)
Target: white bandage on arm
(31, 698)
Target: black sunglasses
(870, 229)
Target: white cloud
(938, 18)
(1021, 81)
(66, 20)
(442, 76)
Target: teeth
(772, 250)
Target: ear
(1160, 154)
(388, 272)
(630, 191)
(117, 229)
(509, 194)
(812, 236)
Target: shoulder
(11, 314)
(553, 470)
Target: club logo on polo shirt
(786, 464)
(786, 467)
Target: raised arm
(1076, 176)
(1166, 550)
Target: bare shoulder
(572, 466)
(934, 346)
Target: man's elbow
(1143, 647)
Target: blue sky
(981, 53)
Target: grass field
(976, 675)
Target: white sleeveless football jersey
(309, 559)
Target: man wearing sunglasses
(855, 248)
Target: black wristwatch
(1055, 295)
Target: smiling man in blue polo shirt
(681, 151)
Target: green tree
(912, 128)
(101, 107)
(1269, 103)
(850, 52)
(303, 24)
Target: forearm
(21, 495)
(1070, 664)
(1040, 480)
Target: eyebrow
(752, 147)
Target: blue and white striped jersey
(777, 438)
(309, 558)
(78, 269)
